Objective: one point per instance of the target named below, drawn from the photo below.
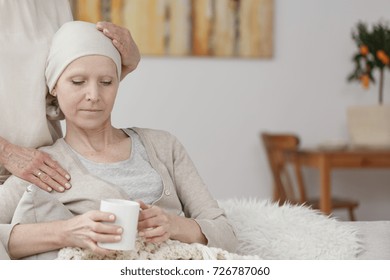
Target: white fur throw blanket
(264, 230)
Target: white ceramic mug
(126, 213)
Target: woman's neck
(107, 144)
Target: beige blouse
(26, 31)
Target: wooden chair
(285, 188)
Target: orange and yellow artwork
(215, 28)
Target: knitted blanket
(264, 230)
(169, 250)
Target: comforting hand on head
(122, 40)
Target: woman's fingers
(117, 34)
(142, 205)
(92, 227)
(64, 176)
(154, 224)
(104, 233)
(104, 223)
(153, 232)
(55, 177)
(37, 167)
(107, 27)
(91, 245)
(39, 183)
(150, 211)
(158, 239)
(123, 41)
(100, 216)
(105, 237)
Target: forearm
(3, 146)
(32, 239)
(83, 231)
(187, 230)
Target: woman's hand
(157, 226)
(154, 224)
(86, 230)
(34, 166)
(122, 40)
(82, 231)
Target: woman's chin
(93, 124)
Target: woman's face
(86, 92)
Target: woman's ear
(53, 92)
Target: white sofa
(375, 236)
(268, 231)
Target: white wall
(217, 107)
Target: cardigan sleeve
(198, 203)
(10, 193)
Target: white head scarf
(73, 40)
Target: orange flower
(383, 57)
(365, 79)
(364, 50)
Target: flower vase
(369, 126)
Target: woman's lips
(91, 110)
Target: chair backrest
(285, 189)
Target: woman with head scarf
(28, 120)
(83, 71)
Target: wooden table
(326, 160)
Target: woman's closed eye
(77, 82)
(106, 83)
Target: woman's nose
(92, 94)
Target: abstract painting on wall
(215, 28)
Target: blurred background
(217, 107)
